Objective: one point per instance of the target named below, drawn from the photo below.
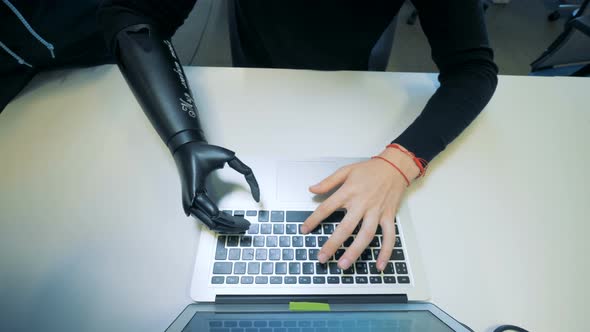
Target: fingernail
(304, 229)
(344, 263)
(381, 266)
(322, 257)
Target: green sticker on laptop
(308, 306)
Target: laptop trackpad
(295, 177)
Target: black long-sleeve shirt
(334, 34)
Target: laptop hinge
(331, 299)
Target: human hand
(195, 161)
(370, 190)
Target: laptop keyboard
(275, 252)
(313, 325)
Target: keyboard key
(277, 216)
(397, 255)
(379, 230)
(217, 280)
(396, 229)
(261, 280)
(313, 254)
(333, 280)
(275, 323)
(276, 280)
(301, 254)
(284, 241)
(265, 229)
(348, 242)
(274, 254)
(251, 213)
(328, 228)
(322, 240)
(267, 268)
(239, 213)
(375, 280)
(247, 254)
(308, 268)
(305, 280)
(366, 255)
(240, 268)
(234, 254)
(288, 254)
(229, 323)
(290, 280)
(294, 268)
(253, 228)
(375, 242)
(403, 279)
(373, 268)
(246, 280)
(261, 254)
(221, 241)
(401, 268)
(263, 216)
(321, 268)
(319, 280)
(232, 280)
(232, 241)
(347, 280)
(317, 230)
(389, 269)
(310, 241)
(398, 242)
(361, 268)
(334, 269)
(389, 279)
(361, 280)
(339, 254)
(260, 323)
(297, 241)
(272, 241)
(298, 216)
(278, 229)
(281, 268)
(350, 270)
(253, 268)
(335, 217)
(376, 253)
(259, 241)
(222, 268)
(246, 241)
(291, 229)
(220, 254)
(357, 228)
(228, 212)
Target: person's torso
(335, 32)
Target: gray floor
(519, 32)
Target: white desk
(92, 234)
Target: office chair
(562, 7)
(569, 54)
(382, 49)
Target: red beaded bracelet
(421, 163)
(394, 166)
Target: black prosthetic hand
(152, 70)
(195, 161)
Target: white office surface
(93, 238)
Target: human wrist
(405, 163)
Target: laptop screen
(371, 321)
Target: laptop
(247, 282)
